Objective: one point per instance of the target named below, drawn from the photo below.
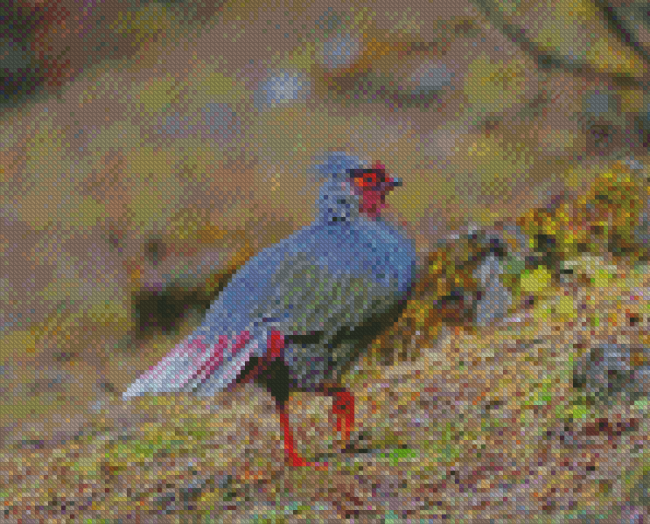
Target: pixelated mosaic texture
(148, 149)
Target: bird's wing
(311, 295)
(326, 296)
(316, 278)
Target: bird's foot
(292, 456)
(342, 409)
(297, 461)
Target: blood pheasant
(299, 311)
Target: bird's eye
(367, 180)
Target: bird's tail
(197, 365)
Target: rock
(494, 297)
(612, 369)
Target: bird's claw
(297, 461)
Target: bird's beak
(392, 182)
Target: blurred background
(148, 148)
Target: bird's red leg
(292, 455)
(343, 408)
(274, 350)
(289, 445)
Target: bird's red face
(372, 185)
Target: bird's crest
(336, 166)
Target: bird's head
(352, 190)
(372, 185)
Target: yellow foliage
(208, 84)
(537, 282)
(143, 23)
(496, 87)
(608, 55)
(15, 343)
(155, 189)
(158, 93)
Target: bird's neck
(372, 205)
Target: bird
(297, 313)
